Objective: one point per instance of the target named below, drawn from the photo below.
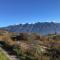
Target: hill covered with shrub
(31, 46)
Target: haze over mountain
(39, 27)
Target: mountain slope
(41, 28)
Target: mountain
(41, 28)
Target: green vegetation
(3, 56)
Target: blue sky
(28, 11)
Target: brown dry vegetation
(39, 47)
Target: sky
(28, 11)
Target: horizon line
(29, 23)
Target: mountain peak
(39, 27)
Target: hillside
(41, 28)
(3, 55)
(31, 46)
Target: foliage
(3, 56)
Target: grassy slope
(3, 56)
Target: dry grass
(31, 42)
